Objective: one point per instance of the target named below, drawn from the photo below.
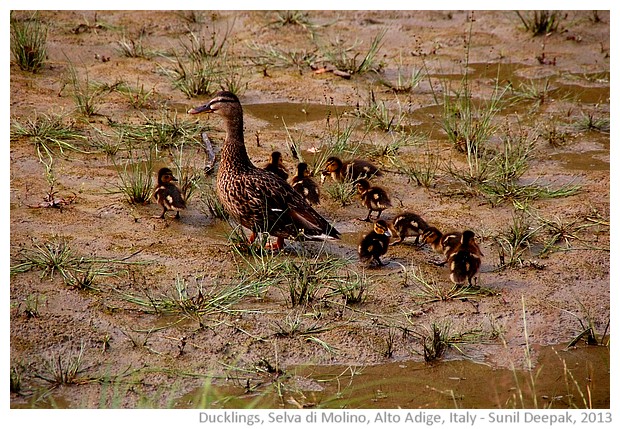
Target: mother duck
(259, 199)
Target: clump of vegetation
(28, 43)
(86, 95)
(349, 59)
(48, 133)
(540, 22)
(63, 369)
(57, 256)
(136, 178)
(377, 116)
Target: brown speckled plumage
(258, 199)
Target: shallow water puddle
(278, 114)
(562, 379)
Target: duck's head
(381, 227)
(302, 170)
(467, 236)
(276, 158)
(223, 103)
(165, 175)
(362, 185)
(333, 164)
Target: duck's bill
(200, 109)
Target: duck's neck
(234, 154)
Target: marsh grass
(423, 171)
(428, 289)
(516, 240)
(135, 176)
(533, 91)
(405, 81)
(86, 95)
(137, 96)
(49, 133)
(588, 122)
(588, 332)
(197, 302)
(28, 43)
(132, 47)
(274, 56)
(57, 256)
(193, 77)
(350, 59)
(377, 116)
(63, 369)
(159, 132)
(342, 192)
(540, 22)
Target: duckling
(443, 244)
(375, 244)
(349, 170)
(258, 199)
(275, 165)
(167, 194)
(465, 260)
(304, 184)
(374, 198)
(409, 224)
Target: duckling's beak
(200, 109)
(387, 233)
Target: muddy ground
(255, 339)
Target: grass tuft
(28, 43)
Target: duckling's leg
(367, 217)
(177, 216)
(162, 214)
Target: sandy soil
(120, 337)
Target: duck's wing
(287, 212)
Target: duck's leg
(252, 237)
(177, 216)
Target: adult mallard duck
(167, 194)
(348, 170)
(303, 183)
(374, 198)
(259, 199)
(275, 165)
(465, 260)
(409, 224)
(375, 244)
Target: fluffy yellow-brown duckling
(409, 224)
(375, 244)
(275, 165)
(167, 194)
(465, 260)
(443, 244)
(374, 198)
(259, 200)
(303, 183)
(349, 170)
